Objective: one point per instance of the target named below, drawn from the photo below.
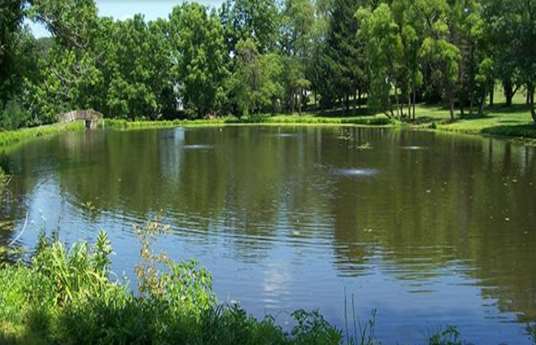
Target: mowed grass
(500, 120)
(267, 119)
(514, 121)
(15, 136)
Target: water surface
(427, 229)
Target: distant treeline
(262, 56)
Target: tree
(384, 55)
(410, 30)
(69, 81)
(257, 20)
(342, 60)
(198, 58)
(11, 15)
(500, 33)
(136, 68)
(512, 26)
(255, 84)
(296, 44)
(467, 32)
(70, 78)
(442, 56)
(72, 22)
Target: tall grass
(68, 296)
(4, 180)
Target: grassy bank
(305, 119)
(68, 297)
(514, 122)
(15, 136)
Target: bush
(66, 296)
(14, 116)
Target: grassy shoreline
(511, 123)
(507, 122)
(23, 134)
(69, 296)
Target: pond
(428, 229)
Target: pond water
(428, 229)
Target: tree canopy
(251, 56)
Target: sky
(123, 9)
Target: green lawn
(15, 136)
(514, 121)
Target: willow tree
(384, 49)
(296, 45)
(256, 82)
(437, 50)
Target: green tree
(467, 32)
(500, 33)
(411, 35)
(257, 20)
(255, 84)
(69, 81)
(19, 53)
(71, 22)
(198, 57)
(136, 68)
(441, 55)
(384, 55)
(512, 27)
(70, 74)
(298, 22)
(342, 61)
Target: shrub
(14, 116)
(67, 296)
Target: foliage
(257, 20)
(68, 296)
(15, 136)
(342, 59)
(199, 55)
(14, 115)
(256, 84)
(250, 57)
(384, 49)
(448, 336)
(4, 180)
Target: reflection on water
(442, 234)
(355, 172)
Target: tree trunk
(409, 105)
(414, 101)
(397, 103)
(462, 100)
(532, 109)
(481, 105)
(451, 103)
(471, 103)
(300, 102)
(492, 93)
(508, 91)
